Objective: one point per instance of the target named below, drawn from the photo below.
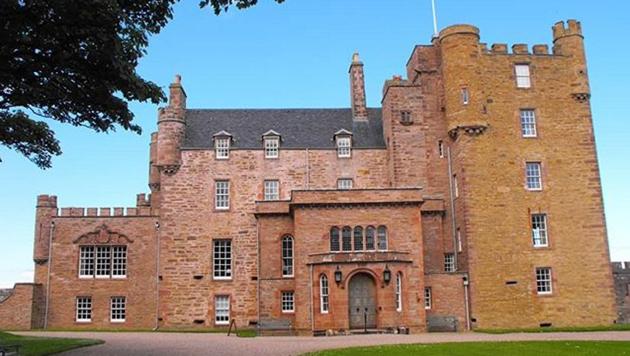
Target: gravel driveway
(139, 343)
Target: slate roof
(299, 128)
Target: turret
(568, 41)
(171, 126)
(357, 89)
(46, 210)
(154, 173)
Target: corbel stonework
(154, 186)
(470, 130)
(581, 97)
(169, 169)
(103, 236)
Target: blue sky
(297, 55)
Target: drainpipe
(452, 198)
(50, 246)
(311, 298)
(258, 272)
(466, 306)
(157, 276)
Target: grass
(529, 348)
(43, 345)
(613, 327)
(239, 332)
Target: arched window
(399, 291)
(346, 238)
(334, 239)
(287, 256)
(382, 238)
(358, 238)
(323, 294)
(370, 233)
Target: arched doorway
(362, 301)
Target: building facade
(468, 200)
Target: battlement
(572, 28)
(143, 208)
(621, 267)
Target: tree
(75, 62)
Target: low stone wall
(21, 310)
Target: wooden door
(362, 301)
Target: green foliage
(42, 345)
(528, 348)
(75, 62)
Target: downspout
(452, 198)
(466, 306)
(50, 238)
(258, 273)
(157, 276)
(311, 298)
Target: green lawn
(42, 345)
(533, 348)
(613, 327)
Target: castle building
(470, 199)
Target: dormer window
(222, 141)
(343, 141)
(271, 143)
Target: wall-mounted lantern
(387, 275)
(338, 275)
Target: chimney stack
(357, 89)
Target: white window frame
(102, 261)
(272, 147)
(428, 302)
(83, 309)
(381, 238)
(533, 176)
(544, 281)
(288, 302)
(344, 183)
(344, 146)
(523, 76)
(288, 252)
(222, 194)
(399, 304)
(449, 262)
(540, 235)
(222, 147)
(271, 190)
(528, 123)
(459, 240)
(222, 259)
(118, 309)
(119, 262)
(87, 267)
(405, 117)
(441, 148)
(324, 297)
(347, 234)
(465, 95)
(222, 309)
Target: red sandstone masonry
(21, 309)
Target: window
(222, 194)
(358, 238)
(533, 176)
(405, 118)
(119, 261)
(344, 183)
(222, 259)
(441, 148)
(344, 147)
(539, 230)
(117, 309)
(222, 147)
(84, 309)
(288, 305)
(323, 294)
(382, 237)
(543, 280)
(370, 233)
(427, 298)
(346, 238)
(459, 240)
(334, 239)
(86, 261)
(455, 186)
(399, 291)
(465, 96)
(272, 190)
(103, 261)
(222, 310)
(287, 256)
(449, 262)
(628, 290)
(272, 147)
(522, 76)
(528, 123)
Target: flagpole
(435, 27)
